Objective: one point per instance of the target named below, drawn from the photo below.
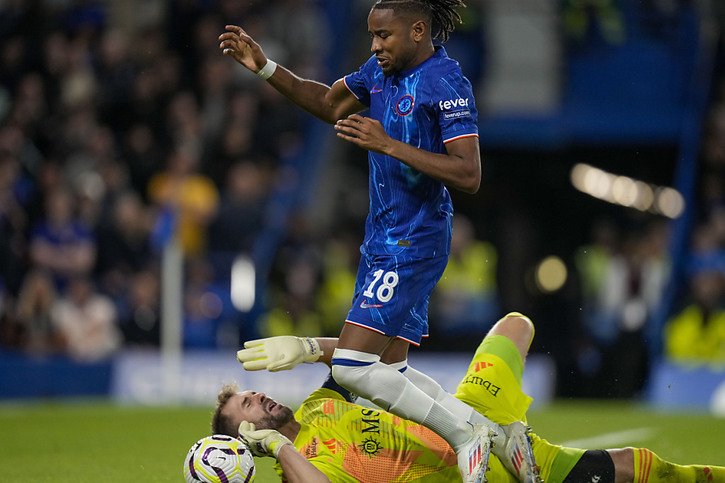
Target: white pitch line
(608, 440)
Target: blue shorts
(392, 292)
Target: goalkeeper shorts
(492, 386)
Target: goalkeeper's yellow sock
(650, 468)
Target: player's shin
(460, 409)
(364, 375)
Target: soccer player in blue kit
(421, 133)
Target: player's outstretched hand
(278, 353)
(262, 442)
(241, 47)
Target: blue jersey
(425, 106)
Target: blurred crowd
(114, 115)
(636, 305)
(109, 121)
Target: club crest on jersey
(405, 105)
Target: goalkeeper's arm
(297, 469)
(269, 442)
(285, 352)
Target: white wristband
(268, 69)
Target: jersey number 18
(385, 290)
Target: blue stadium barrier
(138, 377)
(678, 387)
(23, 377)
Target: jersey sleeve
(359, 82)
(456, 107)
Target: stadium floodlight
(243, 283)
(551, 274)
(626, 191)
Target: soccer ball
(219, 458)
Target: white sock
(429, 386)
(391, 390)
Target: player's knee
(516, 327)
(623, 459)
(352, 369)
(519, 322)
(374, 381)
(346, 376)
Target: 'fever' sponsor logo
(452, 103)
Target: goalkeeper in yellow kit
(341, 441)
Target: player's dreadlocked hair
(442, 13)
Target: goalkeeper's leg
(511, 443)
(518, 328)
(641, 465)
(492, 386)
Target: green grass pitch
(97, 441)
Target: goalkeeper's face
(257, 408)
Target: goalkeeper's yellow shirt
(349, 442)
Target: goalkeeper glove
(278, 353)
(262, 442)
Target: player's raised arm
(325, 102)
